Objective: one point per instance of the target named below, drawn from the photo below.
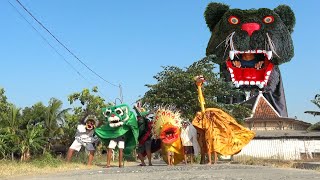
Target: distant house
(278, 137)
(265, 117)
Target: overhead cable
(65, 46)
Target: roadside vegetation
(35, 139)
(45, 164)
(31, 132)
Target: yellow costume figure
(166, 127)
(218, 131)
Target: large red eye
(233, 20)
(268, 19)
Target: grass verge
(48, 164)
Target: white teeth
(267, 77)
(231, 55)
(269, 54)
(236, 84)
(260, 86)
(260, 83)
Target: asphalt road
(196, 171)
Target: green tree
(90, 102)
(35, 114)
(315, 101)
(4, 147)
(69, 129)
(4, 109)
(32, 141)
(4, 115)
(176, 86)
(54, 120)
(35, 119)
(85, 102)
(26, 132)
(11, 129)
(18, 137)
(4, 105)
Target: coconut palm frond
(315, 113)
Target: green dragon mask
(119, 121)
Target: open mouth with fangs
(114, 121)
(255, 72)
(169, 134)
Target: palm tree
(10, 130)
(53, 120)
(316, 101)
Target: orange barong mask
(166, 127)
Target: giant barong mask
(264, 32)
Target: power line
(49, 43)
(73, 54)
(55, 50)
(64, 45)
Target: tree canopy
(32, 131)
(176, 87)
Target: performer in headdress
(84, 137)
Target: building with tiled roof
(265, 117)
(278, 137)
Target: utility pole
(121, 95)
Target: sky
(127, 43)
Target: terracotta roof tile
(264, 110)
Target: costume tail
(222, 133)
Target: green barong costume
(119, 121)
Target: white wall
(286, 149)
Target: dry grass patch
(265, 162)
(11, 168)
(48, 164)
